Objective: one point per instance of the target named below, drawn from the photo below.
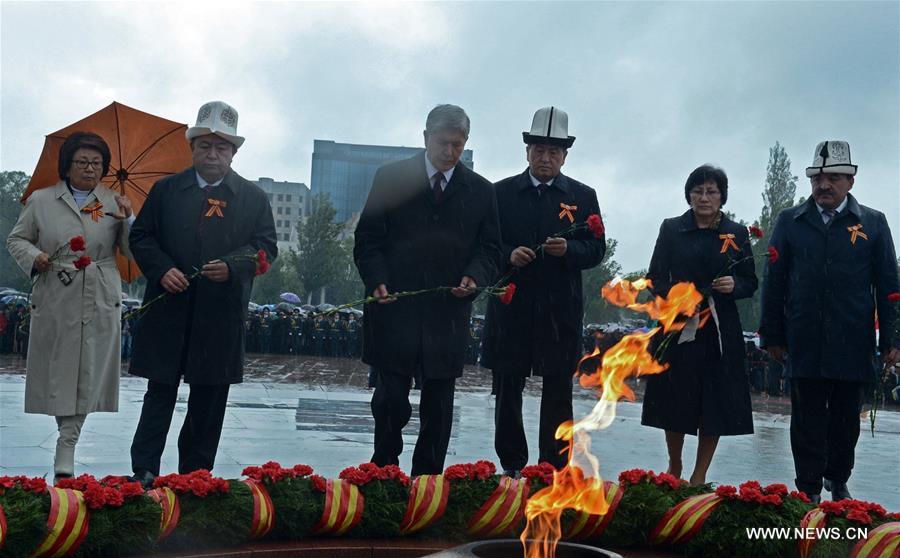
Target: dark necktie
(829, 216)
(541, 188)
(436, 186)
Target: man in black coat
(428, 222)
(836, 265)
(210, 219)
(539, 332)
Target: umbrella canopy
(290, 297)
(143, 149)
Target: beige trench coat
(74, 346)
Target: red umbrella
(144, 148)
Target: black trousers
(824, 430)
(199, 437)
(392, 410)
(509, 429)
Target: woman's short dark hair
(81, 140)
(704, 174)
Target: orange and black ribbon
(567, 211)
(94, 210)
(215, 207)
(856, 231)
(728, 242)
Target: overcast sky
(652, 89)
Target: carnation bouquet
(297, 496)
(25, 505)
(471, 484)
(116, 529)
(750, 505)
(646, 497)
(215, 512)
(386, 493)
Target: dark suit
(819, 300)
(408, 241)
(540, 331)
(199, 333)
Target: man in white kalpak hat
(834, 266)
(208, 218)
(539, 332)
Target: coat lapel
(62, 192)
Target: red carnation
(595, 225)
(319, 483)
(726, 491)
(860, 517)
(894, 297)
(76, 244)
(756, 231)
(773, 254)
(262, 262)
(800, 496)
(82, 262)
(508, 293)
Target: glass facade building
(344, 171)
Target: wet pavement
(316, 411)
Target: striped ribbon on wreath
(67, 523)
(882, 542)
(589, 526)
(343, 508)
(263, 510)
(171, 510)
(814, 519)
(2, 527)
(681, 522)
(427, 503)
(502, 510)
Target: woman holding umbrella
(66, 239)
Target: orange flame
(629, 357)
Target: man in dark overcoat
(835, 268)
(428, 222)
(539, 332)
(205, 218)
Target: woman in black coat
(705, 388)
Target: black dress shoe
(146, 479)
(512, 473)
(838, 490)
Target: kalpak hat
(217, 118)
(550, 126)
(832, 156)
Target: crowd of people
(14, 324)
